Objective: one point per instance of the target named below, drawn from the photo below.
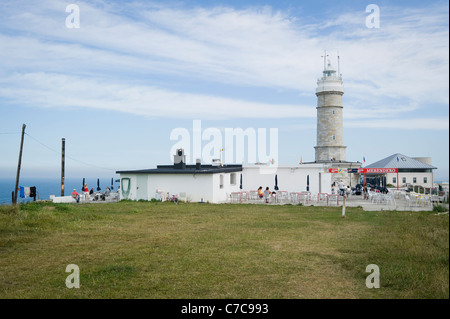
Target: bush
(439, 208)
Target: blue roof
(400, 161)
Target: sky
(123, 82)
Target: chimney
(198, 163)
(179, 159)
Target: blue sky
(134, 71)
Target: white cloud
(401, 124)
(405, 60)
(55, 90)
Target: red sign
(380, 170)
(337, 170)
(365, 170)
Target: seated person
(75, 195)
(107, 191)
(260, 192)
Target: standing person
(348, 191)
(86, 192)
(267, 194)
(341, 188)
(75, 195)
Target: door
(141, 187)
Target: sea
(50, 186)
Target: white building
(311, 178)
(215, 183)
(411, 171)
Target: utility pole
(19, 164)
(62, 165)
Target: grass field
(163, 250)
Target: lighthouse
(330, 133)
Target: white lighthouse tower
(330, 133)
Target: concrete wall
(330, 127)
(290, 178)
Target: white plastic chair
(235, 197)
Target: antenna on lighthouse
(324, 60)
(339, 68)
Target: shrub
(439, 208)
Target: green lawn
(162, 250)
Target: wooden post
(62, 165)
(19, 164)
(397, 178)
(343, 207)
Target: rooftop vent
(179, 159)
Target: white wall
(195, 186)
(207, 187)
(290, 178)
(222, 195)
(132, 186)
(409, 178)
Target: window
(425, 180)
(414, 180)
(332, 112)
(221, 181)
(334, 137)
(233, 179)
(394, 180)
(404, 180)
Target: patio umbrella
(112, 183)
(98, 184)
(240, 186)
(82, 185)
(307, 183)
(276, 182)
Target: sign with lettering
(363, 170)
(380, 170)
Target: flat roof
(189, 169)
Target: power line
(73, 159)
(51, 149)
